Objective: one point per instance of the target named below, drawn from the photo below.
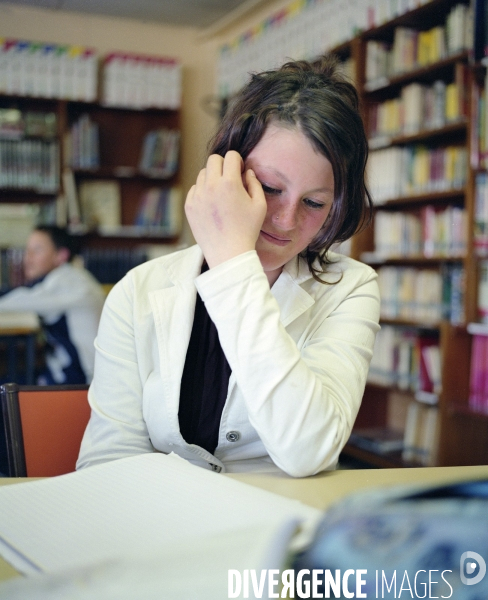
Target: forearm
(303, 394)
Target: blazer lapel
(173, 308)
(291, 297)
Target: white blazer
(299, 355)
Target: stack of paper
(152, 517)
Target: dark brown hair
(318, 99)
(60, 238)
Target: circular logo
(472, 568)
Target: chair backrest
(43, 428)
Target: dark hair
(60, 238)
(318, 99)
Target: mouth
(275, 239)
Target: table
(322, 490)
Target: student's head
(316, 103)
(47, 247)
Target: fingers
(233, 164)
(254, 187)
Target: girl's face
(299, 186)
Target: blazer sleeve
(302, 403)
(116, 428)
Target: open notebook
(141, 510)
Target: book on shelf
(421, 434)
(141, 81)
(11, 268)
(70, 199)
(160, 153)
(379, 440)
(29, 164)
(406, 359)
(30, 68)
(398, 172)
(81, 144)
(16, 223)
(422, 295)
(483, 290)
(100, 203)
(478, 377)
(160, 209)
(109, 265)
(412, 49)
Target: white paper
(129, 508)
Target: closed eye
(269, 190)
(313, 204)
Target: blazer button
(233, 436)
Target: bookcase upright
(437, 155)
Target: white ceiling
(191, 13)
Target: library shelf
(439, 69)
(446, 132)
(115, 149)
(467, 411)
(447, 196)
(417, 260)
(421, 17)
(387, 460)
(122, 172)
(381, 92)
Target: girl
(250, 350)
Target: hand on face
(225, 209)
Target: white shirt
(66, 291)
(299, 355)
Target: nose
(285, 215)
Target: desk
(326, 488)
(13, 335)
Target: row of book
(417, 442)
(480, 123)
(18, 219)
(141, 81)
(478, 378)
(483, 290)
(15, 124)
(422, 295)
(109, 265)
(29, 68)
(397, 172)
(81, 144)
(297, 30)
(160, 151)
(481, 214)
(428, 232)
(419, 108)
(95, 204)
(29, 164)
(412, 49)
(421, 436)
(11, 268)
(406, 359)
(160, 209)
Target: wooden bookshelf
(462, 432)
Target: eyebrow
(285, 179)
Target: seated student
(250, 350)
(68, 300)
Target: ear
(62, 256)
